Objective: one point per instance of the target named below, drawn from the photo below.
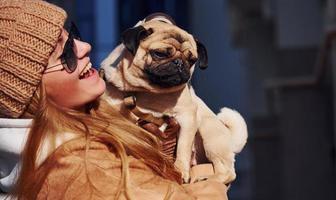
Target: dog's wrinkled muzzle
(169, 74)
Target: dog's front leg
(184, 145)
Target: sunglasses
(68, 56)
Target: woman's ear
(202, 55)
(132, 37)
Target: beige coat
(68, 178)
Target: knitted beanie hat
(29, 31)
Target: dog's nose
(178, 62)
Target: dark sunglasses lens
(69, 57)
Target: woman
(78, 146)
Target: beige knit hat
(29, 31)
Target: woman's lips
(92, 73)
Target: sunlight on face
(68, 89)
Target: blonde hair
(100, 121)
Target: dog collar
(165, 128)
(130, 104)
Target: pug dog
(155, 63)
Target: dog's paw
(186, 177)
(184, 169)
(226, 178)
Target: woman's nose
(83, 48)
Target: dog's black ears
(202, 55)
(132, 36)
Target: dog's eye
(159, 54)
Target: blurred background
(272, 60)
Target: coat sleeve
(99, 177)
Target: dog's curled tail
(237, 126)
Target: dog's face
(164, 54)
